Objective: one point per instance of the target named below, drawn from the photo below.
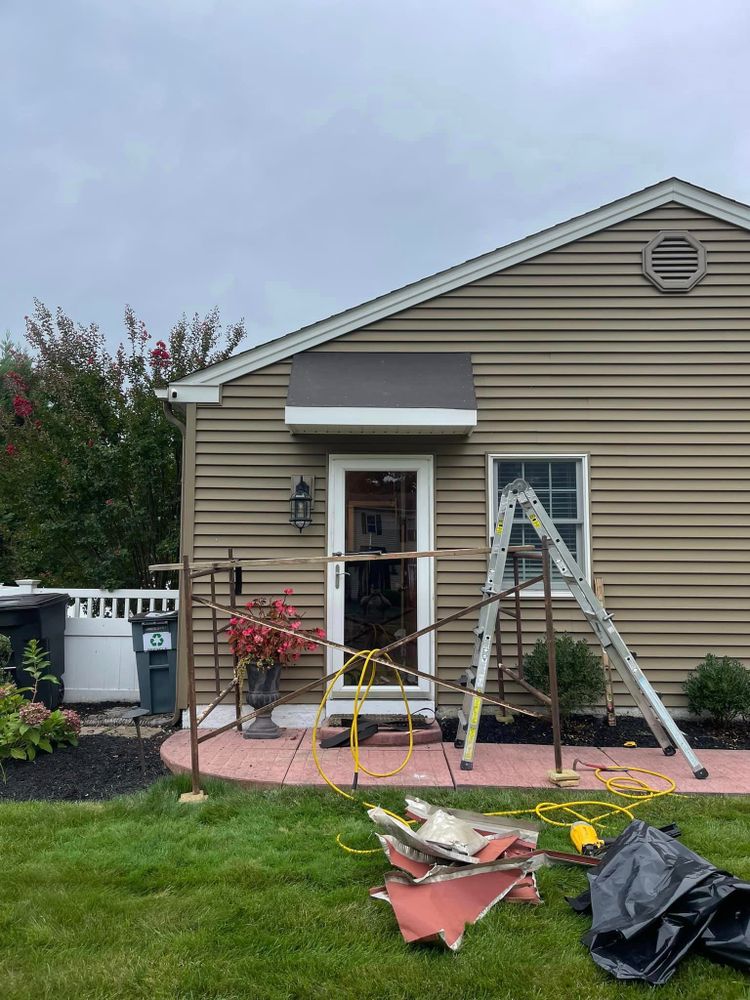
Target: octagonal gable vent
(674, 261)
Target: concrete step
(424, 732)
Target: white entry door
(381, 503)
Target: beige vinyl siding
(245, 458)
(573, 352)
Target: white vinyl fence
(99, 657)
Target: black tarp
(652, 900)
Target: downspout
(173, 419)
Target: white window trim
(547, 456)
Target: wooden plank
(203, 569)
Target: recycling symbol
(157, 640)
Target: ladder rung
(598, 616)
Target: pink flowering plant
(27, 725)
(262, 646)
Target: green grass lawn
(248, 895)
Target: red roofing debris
(438, 890)
(441, 909)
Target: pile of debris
(455, 866)
(652, 899)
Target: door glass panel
(380, 598)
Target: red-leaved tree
(89, 466)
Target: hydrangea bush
(27, 725)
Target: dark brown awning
(385, 393)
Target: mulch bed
(100, 767)
(103, 766)
(592, 730)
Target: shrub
(720, 686)
(27, 725)
(580, 680)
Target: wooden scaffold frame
(189, 572)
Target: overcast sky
(291, 158)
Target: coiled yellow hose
(626, 786)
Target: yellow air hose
(360, 697)
(624, 785)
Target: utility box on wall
(155, 645)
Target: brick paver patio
(289, 761)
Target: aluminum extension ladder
(656, 715)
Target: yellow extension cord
(625, 785)
(359, 699)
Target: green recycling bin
(155, 645)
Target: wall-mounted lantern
(301, 502)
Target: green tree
(89, 467)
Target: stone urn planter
(263, 690)
(263, 638)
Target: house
(606, 360)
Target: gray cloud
(287, 160)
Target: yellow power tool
(585, 839)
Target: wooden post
(609, 696)
(215, 628)
(237, 687)
(499, 657)
(186, 602)
(551, 655)
(519, 627)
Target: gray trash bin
(155, 645)
(36, 616)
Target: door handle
(340, 571)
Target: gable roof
(204, 386)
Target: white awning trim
(378, 419)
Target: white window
(560, 482)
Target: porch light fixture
(300, 504)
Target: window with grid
(558, 482)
